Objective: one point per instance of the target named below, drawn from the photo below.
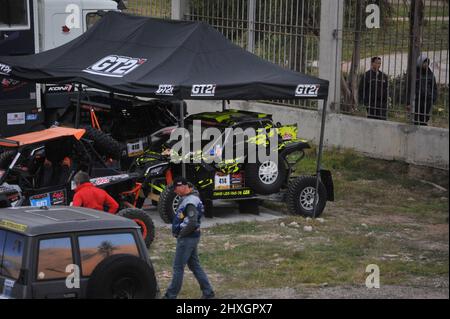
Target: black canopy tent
(150, 57)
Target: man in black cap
(186, 228)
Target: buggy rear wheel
(103, 143)
(143, 220)
(6, 158)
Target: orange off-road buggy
(36, 169)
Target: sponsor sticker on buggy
(60, 88)
(49, 199)
(307, 90)
(115, 66)
(8, 286)
(203, 90)
(100, 180)
(15, 118)
(40, 200)
(239, 193)
(108, 179)
(165, 89)
(32, 117)
(5, 69)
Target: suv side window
(11, 254)
(55, 254)
(95, 248)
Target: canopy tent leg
(183, 164)
(319, 155)
(78, 110)
(223, 105)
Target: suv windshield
(11, 253)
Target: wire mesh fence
(381, 87)
(285, 32)
(151, 8)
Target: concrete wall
(427, 146)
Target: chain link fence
(149, 8)
(286, 32)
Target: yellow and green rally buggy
(238, 178)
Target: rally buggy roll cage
(181, 119)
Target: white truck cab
(33, 26)
(61, 21)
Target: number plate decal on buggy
(222, 181)
(40, 200)
(49, 199)
(135, 149)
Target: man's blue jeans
(186, 253)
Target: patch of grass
(431, 210)
(405, 235)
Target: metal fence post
(413, 56)
(251, 25)
(179, 9)
(330, 48)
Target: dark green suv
(72, 252)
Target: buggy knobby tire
(143, 220)
(300, 196)
(103, 143)
(168, 201)
(122, 276)
(6, 158)
(266, 177)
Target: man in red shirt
(89, 196)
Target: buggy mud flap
(327, 180)
(293, 147)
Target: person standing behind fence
(426, 92)
(373, 91)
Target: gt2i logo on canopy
(203, 90)
(5, 69)
(165, 89)
(307, 90)
(115, 66)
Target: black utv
(37, 169)
(239, 178)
